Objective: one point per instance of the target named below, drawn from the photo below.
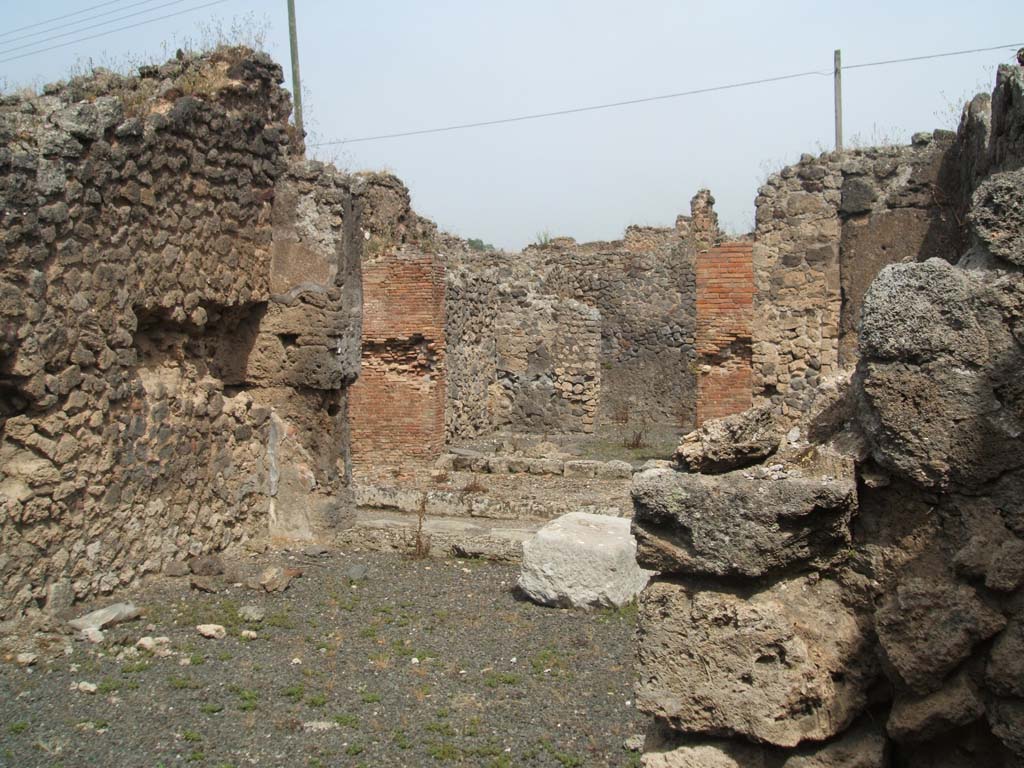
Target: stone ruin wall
(643, 287)
(725, 292)
(471, 301)
(180, 305)
(848, 593)
(824, 228)
(638, 293)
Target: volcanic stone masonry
(841, 571)
(639, 295)
(180, 296)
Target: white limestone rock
(582, 560)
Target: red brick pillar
(725, 298)
(396, 406)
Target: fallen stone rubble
(854, 600)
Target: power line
(929, 56)
(91, 26)
(611, 105)
(59, 18)
(575, 110)
(112, 31)
(70, 23)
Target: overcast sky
(380, 67)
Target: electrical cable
(539, 115)
(59, 18)
(111, 31)
(73, 23)
(91, 26)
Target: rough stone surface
(732, 525)
(206, 565)
(106, 617)
(941, 397)
(781, 666)
(212, 631)
(1007, 719)
(721, 755)
(278, 579)
(824, 227)
(582, 560)
(859, 747)
(565, 335)
(181, 311)
(732, 442)
(1004, 674)
(926, 629)
(997, 216)
(921, 718)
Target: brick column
(396, 406)
(725, 295)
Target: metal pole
(296, 84)
(839, 100)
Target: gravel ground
(422, 663)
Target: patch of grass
(196, 659)
(444, 752)
(294, 692)
(280, 620)
(547, 661)
(565, 759)
(183, 683)
(211, 708)
(316, 700)
(135, 667)
(346, 720)
(19, 727)
(626, 613)
(370, 698)
(196, 756)
(494, 679)
(353, 749)
(247, 698)
(487, 749)
(401, 740)
(192, 736)
(107, 685)
(441, 729)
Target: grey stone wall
(643, 289)
(180, 312)
(825, 227)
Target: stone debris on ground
(582, 561)
(106, 617)
(206, 565)
(212, 631)
(278, 579)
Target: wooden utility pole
(296, 83)
(839, 99)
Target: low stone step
(391, 531)
(471, 461)
(460, 504)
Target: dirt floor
(418, 663)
